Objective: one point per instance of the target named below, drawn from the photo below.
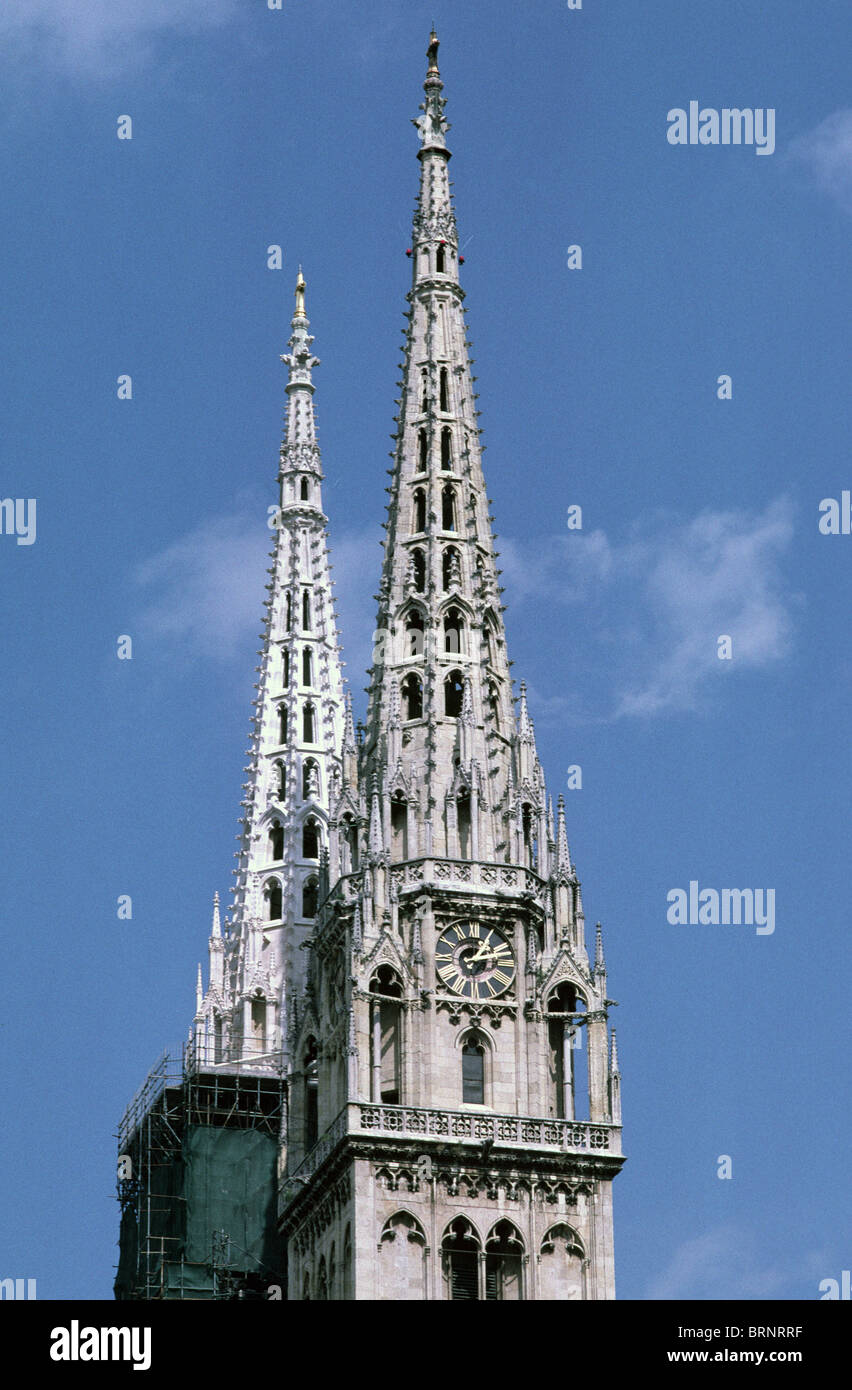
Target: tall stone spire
(443, 648)
(294, 751)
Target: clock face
(474, 960)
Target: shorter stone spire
(613, 1061)
(199, 990)
(600, 963)
(563, 855)
(216, 931)
(376, 842)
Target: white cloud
(203, 594)
(656, 604)
(827, 153)
(724, 1263)
(97, 36)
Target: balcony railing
(458, 1127)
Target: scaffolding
(197, 1181)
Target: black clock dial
(474, 960)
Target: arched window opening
(399, 827)
(288, 611)
(440, 260)
(460, 1259)
(419, 519)
(258, 1025)
(272, 894)
(305, 491)
(561, 1265)
(310, 897)
(310, 779)
(306, 610)
(309, 731)
(450, 567)
(281, 776)
(311, 1096)
(566, 1036)
(453, 630)
(447, 450)
(285, 668)
(494, 704)
(464, 823)
(307, 666)
(448, 508)
(282, 723)
(445, 389)
(276, 841)
(310, 838)
(349, 845)
(422, 452)
(473, 524)
(419, 566)
(529, 833)
(424, 389)
(402, 1258)
(412, 697)
(415, 636)
(489, 643)
(504, 1252)
(473, 1070)
(386, 1036)
(453, 692)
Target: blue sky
(597, 387)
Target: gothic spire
(297, 729)
(443, 653)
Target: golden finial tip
(432, 54)
(300, 294)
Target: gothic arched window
(310, 778)
(282, 723)
(460, 1260)
(349, 833)
(473, 1069)
(276, 841)
(281, 775)
(310, 896)
(307, 667)
(504, 1253)
(494, 704)
(422, 451)
(386, 1036)
(424, 389)
(304, 496)
(447, 453)
(445, 389)
(414, 633)
(453, 631)
(448, 508)
(285, 668)
(272, 894)
(419, 518)
(310, 1072)
(569, 1082)
(412, 697)
(399, 826)
(453, 693)
(450, 566)
(418, 563)
(310, 838)
(440, 260)
(309, 732)
(472, 504)
(306, 610)
(288, 611)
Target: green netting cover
(230, 1185)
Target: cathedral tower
(454, 1093)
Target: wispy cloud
(100, 37)
(725, 1263)
(826, 151)
(657, 603)
(202, 595)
